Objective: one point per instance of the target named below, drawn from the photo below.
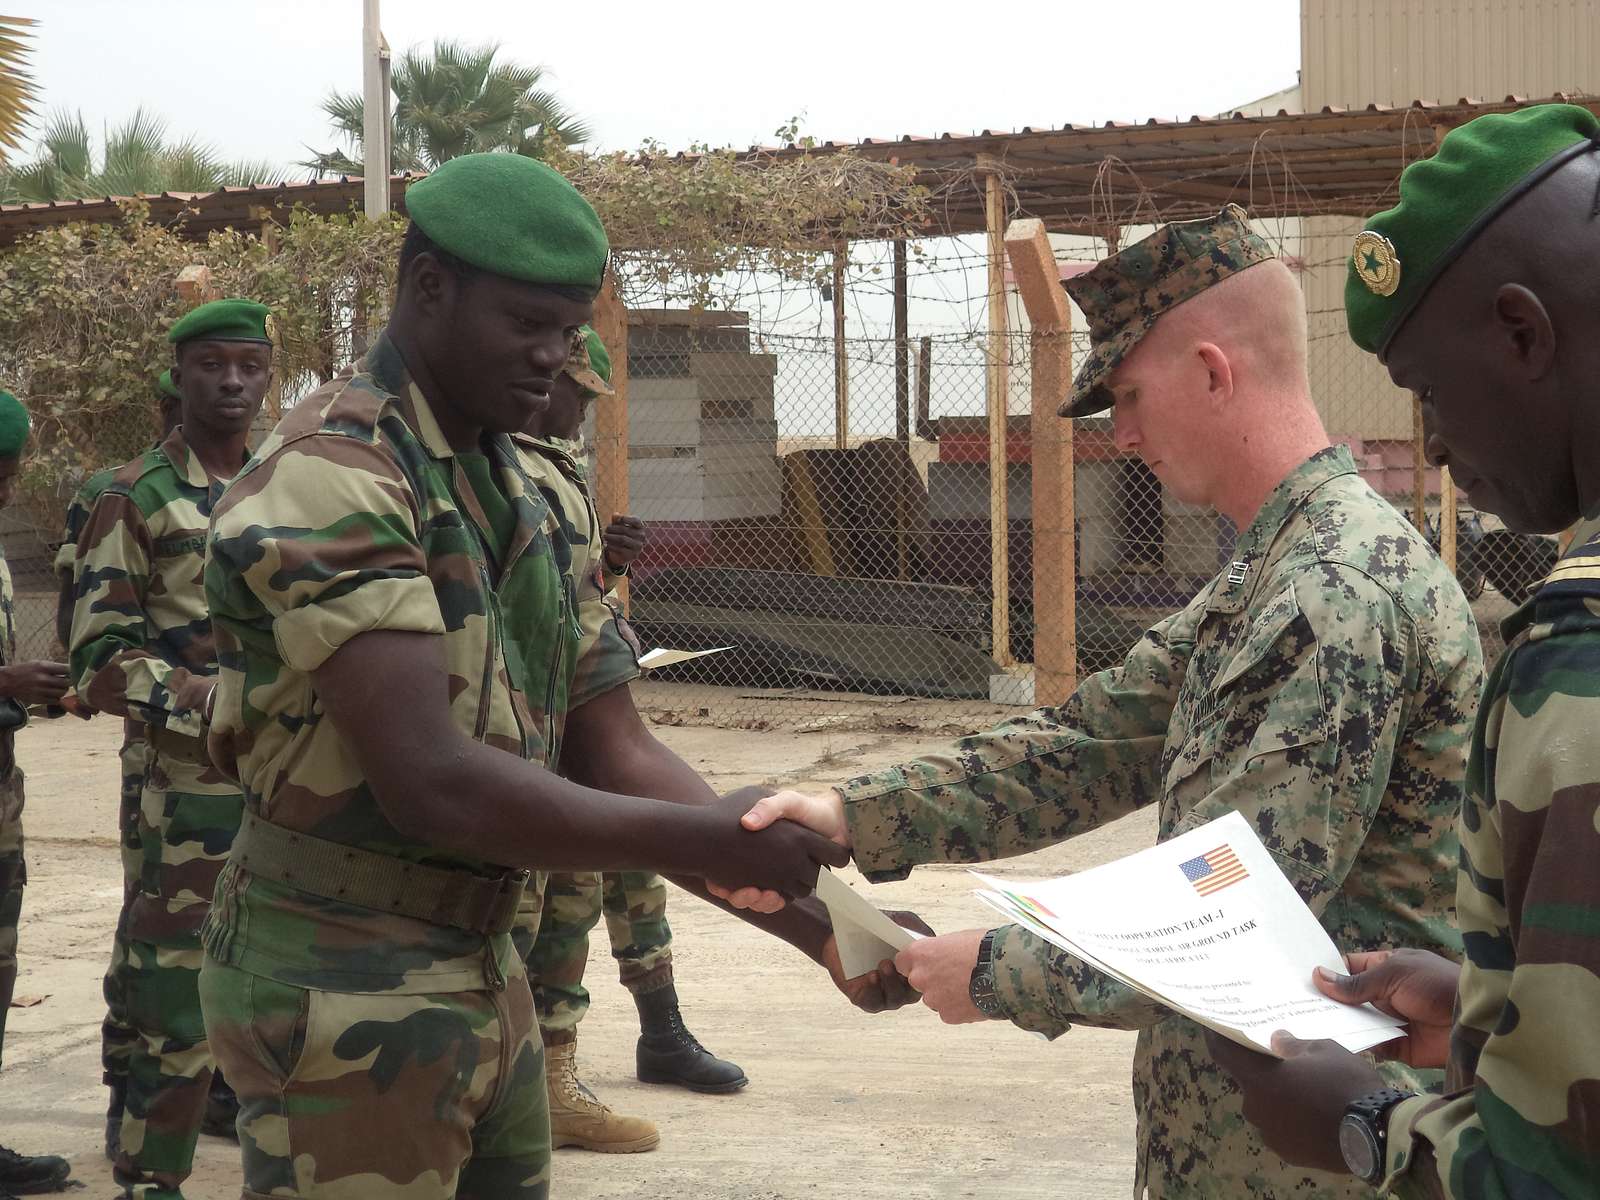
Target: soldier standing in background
(634, 902)
(117, 1035)
(21, 685)
(142, 648)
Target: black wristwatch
(1364, 1133)
(981, 989)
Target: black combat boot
(669, 1053)
(30, 1174)
(222, 1110)
(114, 1110)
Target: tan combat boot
(577, 1118)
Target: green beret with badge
(1480, 169)
(14, 425)
(589, 364)
(513, 216)
(1124, 295)
(232, 320)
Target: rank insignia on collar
(1237, 572)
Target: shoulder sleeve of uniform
(317, 543)
(1525, 1067)
(608, 654)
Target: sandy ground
(840, 1103)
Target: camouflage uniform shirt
(1520, 1112)
(1323, 686)
(354, 516)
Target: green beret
(514, 216)
(1445, 202)
(167, 388)
(223, 321)
(14, 425)
(1124, 295)
(589, 364)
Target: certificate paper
(865, 936)
(1207, 924)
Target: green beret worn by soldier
(396, 606)
(21, 684)
(633, 902)
(1479, 294)
(117, 1035)
(1322, 685)
(142, 648)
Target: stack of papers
(1206, 924)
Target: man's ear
(430, 286)
(1524, 333)
(1219, 373)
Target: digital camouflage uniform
(340, 1025)
(1521, 1105)
(117, 1035)
(634, 902)
(140, 631)
(13, 868)
(1323, 686)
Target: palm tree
(456, 100)
(17, 91)
(136, 158)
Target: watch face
(1360, 1148)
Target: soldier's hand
(1415, 985)
(822, 812)
(38, 682)
(883, 988)
(941, 969)
(194, 692)
(623, 540)
(782, 859)
(1297, 1100)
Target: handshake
(766, 857)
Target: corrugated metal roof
(1085, 177)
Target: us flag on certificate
(1213, 871)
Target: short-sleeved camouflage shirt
(609, 654)
(10, 777)
(355, 516)
(1520, 1110)
(140, 627)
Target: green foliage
(84, 311)
(137, 159)
(685, 227)
(451, 101)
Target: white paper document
(865, 935)
(1207, 924)
(665, 658)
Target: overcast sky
(248, 77)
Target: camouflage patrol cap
(589, 364)
(1124, 295)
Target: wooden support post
(611, 414)
(1447, 518)
(195, 286)
(841, 355)
(924, 424)
(902, 346)
(1055, 574)
(996, 392)
(1419, 469)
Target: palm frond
(18, 92)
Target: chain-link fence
(821, 506)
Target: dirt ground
(840, 1103)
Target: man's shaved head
(1215, 398)
(1504, 352)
